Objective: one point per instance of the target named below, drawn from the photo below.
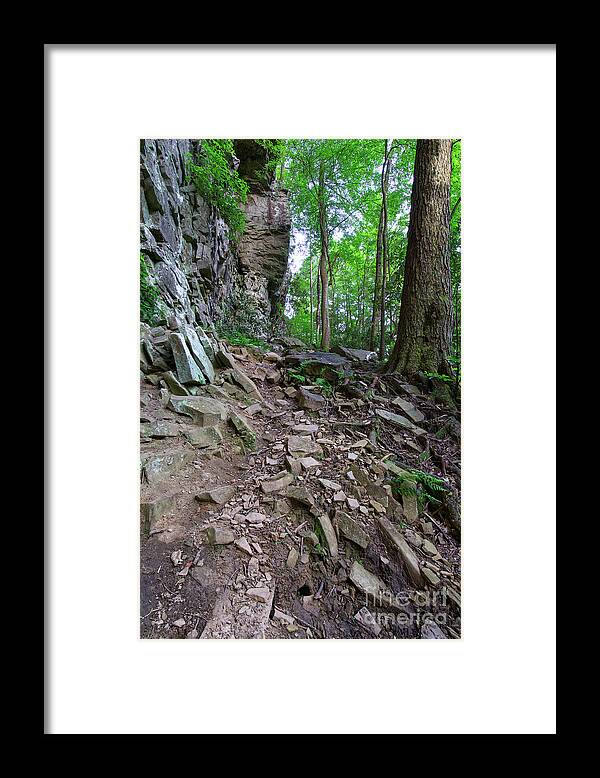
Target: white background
(500, 677)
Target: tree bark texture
(424, 334)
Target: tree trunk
(424, 334)
(384, 248)
(324, 262)
(311, 299)
(377, 285)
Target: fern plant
(424, 486)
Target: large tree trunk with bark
(424, 334)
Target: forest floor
(310, 540)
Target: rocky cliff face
(203, 278)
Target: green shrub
(151, 307)
(238, 338)
(424, 486)
(212, 173)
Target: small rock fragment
(217, 536)
(219, 495)
(366, 618)
(243, 545)
(261, 593)
(292, 559)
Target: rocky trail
(293, 494)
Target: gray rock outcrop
(202, 276)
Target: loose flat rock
(350, 529)
(431, 577)
(153, 357)
(309, 400)
(292, 559)
(301, 495)
(255, 518)
(327, 484)
(243, 428)
(317, 359)
(242, 380)
(306, 429)
(198, 352)
(399, 421)
(303, 444)
(356, 354)
(288, 341)
(225, 359)
(262, 594)
(371, 586)
(410, 507)
(409, 409)
(429, 548)
(219, 495)
(393, 537)
(173, 384)
(243, 545)
(160, 429)
(188, 371)
(204, 437)
(153, 510)
(277, 482)
(202, 410)
(308, 463)
(366, 618)
(432, 631)
(329, 533)
(218, 536)
(234, 616)
(157, 468)
(294, 465)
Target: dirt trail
(329, 552)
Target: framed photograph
(292, 291)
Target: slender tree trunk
(377, 285)
(424, 337)
(379, 272)
(384, 248)
(362, 298)
(311, 299)
(324, 262)
(318, 305)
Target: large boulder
(202, 410)
(356, 354)
(188, 371)
(314, 361)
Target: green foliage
(455, 254)
(238, 338)
(353, 199)
(216, 180)
(440, 377)
(295, 377)
(321, 546)
(151, 307)
(304, 373)
(326, 387)
(424, 486)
